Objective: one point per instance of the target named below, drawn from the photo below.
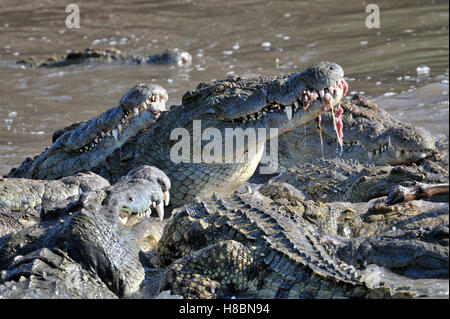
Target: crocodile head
(282, 102)
(81, 146)
(369, 135)
(274, 105)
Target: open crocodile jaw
(308, 105)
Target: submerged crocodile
(288, 247)
(111, 148)
(370, 135)
(112, 55)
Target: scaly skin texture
(112, 55)
(84, 145)
(370, 135)
(83, 238)
(341, 180)
(234, 103)
(251, 246)
(22, 201)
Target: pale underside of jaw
(304, 99)
(124, 215)
(154, 103)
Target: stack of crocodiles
(79, 220)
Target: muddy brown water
(403, 65)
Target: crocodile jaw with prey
(235, 103)
(370, 135)
(261, 102)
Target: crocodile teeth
(358, 142)
(370, 154)
(322, 93)
(288, 111)
(397, 154)
(136, 111)
(148, 212)
(166, 198)
(160, 210)
(115, 134)
(331, 89)
(119, 127)
(123, 220)
(295, 105)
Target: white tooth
(108, 133)
(153, 204)
(288, 111)
(390, 145)
(295, 105)
(331, 90)
(103, 134)
(358, 142)
(96, 140)
(166, 198)
(423, 155)
(143, 105)
(119, 127)
(264, 113)
(370, 154)
(407, 153)
(160, 210)
(397, 154)
(377, 152)
(115, 134)
(148, 212)
(136, 111)
(322, 93)
(123, 220)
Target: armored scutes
(235, 103)
(252, 246)
(341, 180)
(78, 247)
(112, 55)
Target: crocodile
(253, 246)
(137, 110)
(111, 55)
(282, 102)
(81, 246)
(370, 135)
(335, 180)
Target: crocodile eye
(220, 88)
